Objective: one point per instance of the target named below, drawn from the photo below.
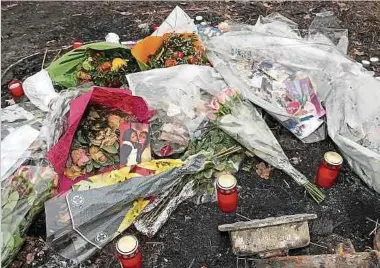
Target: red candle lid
(333, 158)
(127, 244)
(226, 182)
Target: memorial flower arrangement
(96, 142)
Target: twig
(27, 57)
(244, 217)
(191, 263)
(55, 57)
(287, 184)
(43, 61)
(367, 218)
(374, 230)
(315, 244)
(17, 62)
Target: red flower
(166, 150)
(181, 55)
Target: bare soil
(190, 238)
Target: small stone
(378, 78)
(366, 63)
(203, 23)
(165, 260)
(198, 18)
(295, 160)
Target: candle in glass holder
(128, 252)
(15, 89)
(329, 169)
(227, 193)
(77, 44)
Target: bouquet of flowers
(103, 64)
(22, 198)
(169, 50)
(241, 121)
(96, 142)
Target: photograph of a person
(134, 143)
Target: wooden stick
(43, 61)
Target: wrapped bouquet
(240, 120)
(22, 198)
(103, 64)
(169, 50)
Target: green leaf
(12, 201)
(221, 166)
(7, 238)
(112, 149)
(89, 167)
(96, 164)
(208, 173)
(18, 240)
(80, 137)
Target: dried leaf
(263, 171)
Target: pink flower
(79, 157)
(222, 98)
(230, 92)
(211, 116)
(214, 104)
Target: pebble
(378, 78)
(198, 18)
(204, 23)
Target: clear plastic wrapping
(349, 93)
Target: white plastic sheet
(39, 90)
(177, 90)
(177, 21)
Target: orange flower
(105, 67)
(73, 172)
(170, 63)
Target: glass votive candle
(227, 193)
(128, 252)
(329, 169)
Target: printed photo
(134, 143)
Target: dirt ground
(190, 238)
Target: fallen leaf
(263, 171)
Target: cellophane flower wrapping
(22, 198)
(240, 120)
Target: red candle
(128, 252)
(77, 44)
(329, 169)
(15, 89)
(227, 193)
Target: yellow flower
(117, 63)
(97, 155)
(73, 172)
(114, 121)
